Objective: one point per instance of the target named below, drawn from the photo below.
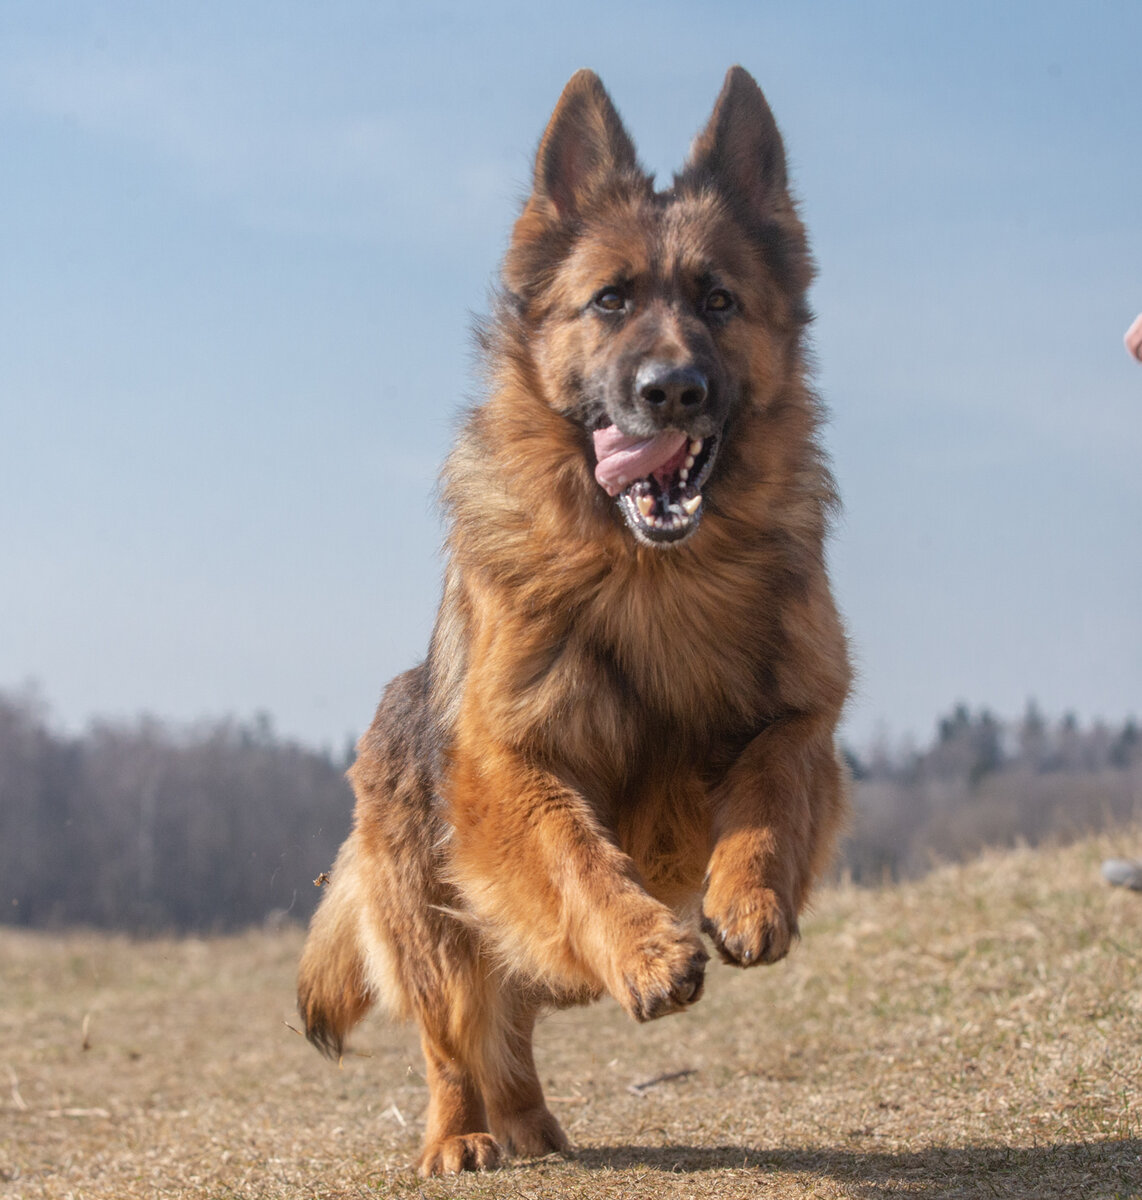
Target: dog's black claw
(681, 993)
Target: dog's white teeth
(695, 448)
(684, 474)
(645, 505)
(688, 463)
(692, 503)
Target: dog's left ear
(740, 155)
(741, 150)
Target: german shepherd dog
(623, 735)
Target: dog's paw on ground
(531, 1133)
(461, 1152)
(750, 927)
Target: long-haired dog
(622, 737)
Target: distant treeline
(144, 828)
(984, 782)
(147, 828)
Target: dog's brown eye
(719, 301)
(610, 300)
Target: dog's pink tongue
(622, 459)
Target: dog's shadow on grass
(1048, 1170)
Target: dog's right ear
(583, 150)
(583, 147)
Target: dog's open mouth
(657, 481)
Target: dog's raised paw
(752, 927)
(461, 1152)
(666, 975)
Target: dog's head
(659, 320)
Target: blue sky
(240, 247)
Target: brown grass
(978, 1033)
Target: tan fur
(613, 746)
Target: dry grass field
(975, 1034)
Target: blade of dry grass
(975, 1034)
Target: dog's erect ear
(740, 150)
(740, 154)
(584, 150)
(583, 147)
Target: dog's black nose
(670, 391)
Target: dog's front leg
(560, 901)
(775, 818)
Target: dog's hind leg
(484, 1092)
(457, 1136)
(393, 929)
(518, 1115)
